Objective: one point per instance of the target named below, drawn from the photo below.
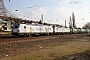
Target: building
(5, 25)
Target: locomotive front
(15, 29)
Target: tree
(73, 20)
(86, 26)
(40, 22)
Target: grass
(52, 53)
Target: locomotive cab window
(16, 26)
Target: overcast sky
(54, 11)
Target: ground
(65, 47)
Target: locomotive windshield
(15, 26)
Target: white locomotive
(37, 29)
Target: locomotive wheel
(24, 35)
(59, 34)
(47, 34)
(29, 35)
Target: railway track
(11, 39)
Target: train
(21, 29)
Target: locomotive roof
(33, 24)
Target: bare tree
(70, 23)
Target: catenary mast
(3, 9)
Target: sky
(54, 11)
